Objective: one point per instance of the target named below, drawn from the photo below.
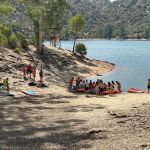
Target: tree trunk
(75, 38)
(40, 34)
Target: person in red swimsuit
(29, 70)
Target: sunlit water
(132, 59)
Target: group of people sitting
(99, 87)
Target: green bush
(5, 30)
(13, 41)
(33, 40)
(23, 41)
(3, 40)
(24, 44)
(17, 50)
(81, 49)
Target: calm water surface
(132, 59)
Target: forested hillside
(122, 18)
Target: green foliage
(4, 34)
(81, 49)
(18, 50)
(3, 39)
(147, 33)
(46, 14)
(108, 31)
(5, 30)
(13, 41)
(122, 33)
(6, 9)
(76, 23)
(65, 34)
(20, 38)
(132, 15)
(25, 44)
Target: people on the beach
(1, 82)
(34, 73)
(70, 83)
(41, 75)
(99, 87)
(118, 86)
(86, 87)
(148, 85)
(29, 70)
(6, 84)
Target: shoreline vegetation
(112, 39)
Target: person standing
(118, 86)
(97, 89)
(41, 75)
(148, 85)
(7, 85)
(86, 88)
(34, 73)
(70, 83)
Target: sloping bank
(64, 64)
(59, 65)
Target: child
(41, 75)
(6, 84)
(148, 85)
(1, 84)
(86, 88)
(34, 73)
(29, 70)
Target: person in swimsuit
(6, 83)
(148, 85)
(41, 75)
(77, 82)
(101, 88)
(118, 86)
(34, 73)
(97, 89)
(86, 87)
(113, 85)
(70, 83)
(29, 70)
(1, 83)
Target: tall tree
(76, 23)
(122, 33)
(108, 31)
(46, 14)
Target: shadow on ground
(25, 126)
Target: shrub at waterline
(81, 49)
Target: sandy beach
(58, 120)
(55, 122)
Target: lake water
(132, 59)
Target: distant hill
(119, 19)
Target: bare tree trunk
(75, 38)
(40, 34)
